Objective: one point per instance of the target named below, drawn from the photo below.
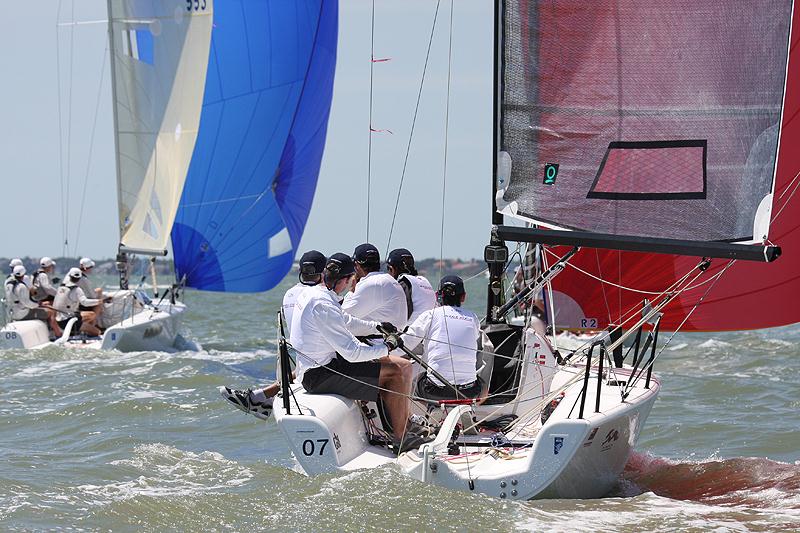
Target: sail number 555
(196, 5)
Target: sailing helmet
(312, 264)
(402, 260)
(367, 255)
(451, 286)
(73, 276)
(339, 266)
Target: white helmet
(85, 262)
(19, 271)
(15, 262)
(73, 276)
(46, 262)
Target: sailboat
(648, 147)
(219, 145)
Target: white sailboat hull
(154, 328)
(568, 457)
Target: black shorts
(335, 378)
(85, 308)
(63, 323)
(36, 314)
(430, 390)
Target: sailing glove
(392, 341)
(387, 327)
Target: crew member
(259, 402)
(420, 296)
(42, 289)
(86, 266)
(330, 360)
(450, 335)
(18, 262)
(70, 301)
(19, 300)
(375, 295)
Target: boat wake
(742, 481)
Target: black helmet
(451, 286)
(367, 255)
(339, 266)
(312, 263)
(402, 260)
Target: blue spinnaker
(258, 153)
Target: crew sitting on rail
(330, 360)
(18, 298)
(42, 289)
(450, 334)
(86, 266)
(375, 295)
(420, 296)
(71, 300)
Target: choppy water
(142, 441)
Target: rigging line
(69, 125)
(60, 132)
(446, 137)
(91, 147)
(413, 123)
(718, 276)
(623, 287)
(369, 132)
(794, 190)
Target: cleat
(244, 402)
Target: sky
(57, 148)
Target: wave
(742, 481)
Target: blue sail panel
(262, 130)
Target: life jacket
(13, 292)
(406, 284)
(35, 285)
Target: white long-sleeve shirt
(68, 300)
(450, 336)
(320, 329)
(379, 297)
(41, 282)
(356, 326)
(86, 285)
(18, 299)
(423, 297)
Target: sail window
(637, 170)
(280, 243)
(138, 44)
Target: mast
(496, 253)
(122, 257)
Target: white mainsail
(159, 58)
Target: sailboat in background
(220, 115)
(640, 142)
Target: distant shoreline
(430, 266)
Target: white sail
(159, 51)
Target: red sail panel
(747, 296)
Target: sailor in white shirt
(87, 266)
(69, 301)
(330, 360)
(375, 295)
(18, 262)
(18, 299)
(450, 335)
(259, 402)
(420, 296)
(42, 289)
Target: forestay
(262, 133)
(159, 59)
(651, 119)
